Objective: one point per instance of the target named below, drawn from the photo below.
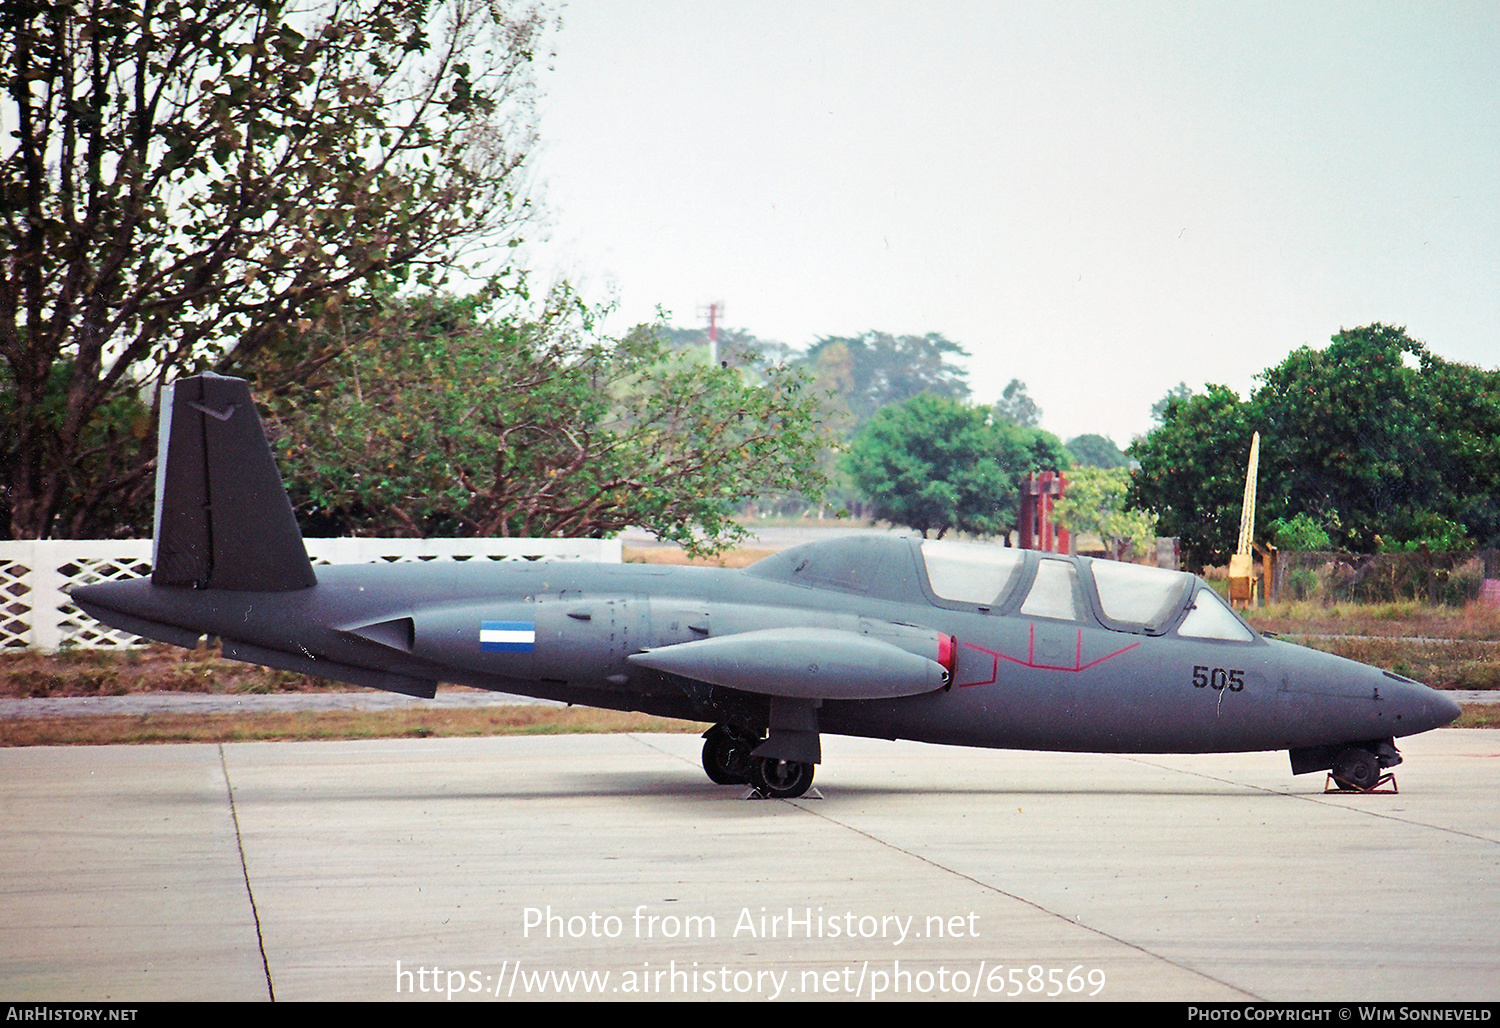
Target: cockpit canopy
(1124, 597)
(972, 572)
(1000, 580)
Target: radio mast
(714, 312)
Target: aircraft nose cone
(1421, 708)
(1447, 708)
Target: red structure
(1038, 491)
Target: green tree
(1043, 451)
(1464, 405)
(1180, 391)
(1192, 471)
(1372, 437)
(187, 184)
(1016, 407)
(935, 464)
(1096, 502)
(450, 422)
(1097, 451)
(876, 369)
(1347, 429)
(1300, 533)
(1374, 429)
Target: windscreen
(971, 572)
(1210, 618)
(1134, 594)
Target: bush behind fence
(1451, 579)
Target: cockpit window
(1133, 594)
(1054, 592)
(1211, 619)
(971, 572)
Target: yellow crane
(1242, 582)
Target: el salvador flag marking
(507, 636)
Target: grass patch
(418, 723)
(1478, 715)
(153, 668)
(1444, 647)
(1476, 621)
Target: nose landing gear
(1357, 769)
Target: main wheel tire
(726, 757)
(783, 779)
(1356, 769)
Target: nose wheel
(1357, 769)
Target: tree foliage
(1192, 473)
(1097, 451)
(1374, 438)
(1385, 437)
(185, 184)
(1180, 391)
(1017, 407)
(875, 370)
(1301, 532)
(1042, 450)
(934, 463)
(736, 347)
(449, 423)
(1096, 502)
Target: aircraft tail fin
(223, 519)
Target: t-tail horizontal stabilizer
(223, 519)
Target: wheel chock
(1338, 785)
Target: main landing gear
(782, 779)
(728, 761)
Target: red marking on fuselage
(994, 666)
(1030, 661)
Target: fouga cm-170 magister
(884, 637)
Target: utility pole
(715, 311)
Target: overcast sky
(1101, 199)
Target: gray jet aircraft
(889, 638)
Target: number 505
(1204, 676)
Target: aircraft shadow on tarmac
(626, 785)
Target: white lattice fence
(35, 576)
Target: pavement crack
(1137, 947)
(239, 843)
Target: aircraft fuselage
(1017, 682)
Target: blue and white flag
(507, 636)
